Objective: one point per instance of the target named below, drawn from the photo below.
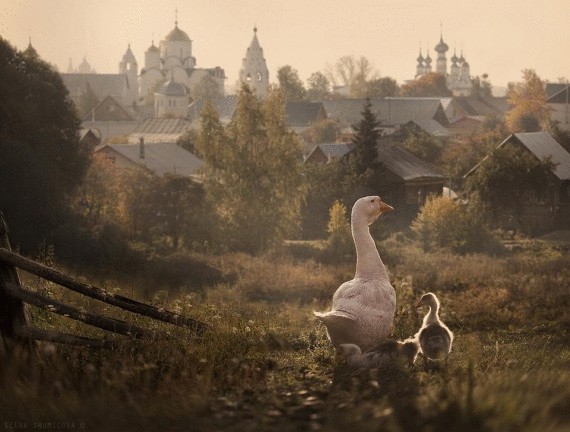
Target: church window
(258, 76)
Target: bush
(339, 245)
(446, 223)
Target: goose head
(370, 208)
(429, 299)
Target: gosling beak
(385, 207)
(419, 304)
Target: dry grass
(267, 365)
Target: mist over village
(299, 217)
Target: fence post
(13, 313)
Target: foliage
(481, 87)
(339, 243)
(382, 87)
(41, 157)
(507, 179)
(529, 111)
(290, 84)
(423, 145)
(445, 223)
(206, 89)
(253, 172)
(325, 131)
(353, 73)
(562, 137)
(188, 141)
(325, 186)
(149, 99)
(267, 365)
(319, 87)
(363, 163)
(87, 101)
(432, 84)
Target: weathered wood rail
(15, 326)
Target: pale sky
(498, 37)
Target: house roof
(331, 150)
(406, 165)
(162, 126)
(432, 127)
(396, 159)
(389, 111)
(482, 106)
(159, 130)
(543, 146)
(557, 93)
(304, 113)
(160, 158)
(108, 110)
(102, 84)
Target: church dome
(177, 35)
(428, 59)
(441, 47)
(420, 58)
(153, 48)
(454, 59)
(172, 88)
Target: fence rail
(15, 326)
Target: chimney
(141, 147)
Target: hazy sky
(499, 37)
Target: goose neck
(432, 316)
(368, 261)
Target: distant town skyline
(498, 38)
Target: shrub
(446, 223)
(339, 243)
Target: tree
(446, 223)
(319, 87)
(290, 84)
(188, 140)
(529, 111)
(383, 87)
(363, 164)
(353, 73)
(481, 87)
(206, 89)
(253, 171)
(432, 84)
(87, 101)
(41, 158)
(325, 131)
(423, 145)
(506, 177)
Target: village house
(406, 181)
(550, 210)
(158, 158)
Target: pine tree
(363, 163)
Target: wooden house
(405, 181)
(552, 209)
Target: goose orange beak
(385, 207)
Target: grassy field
(266, 363)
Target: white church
(169, 78)
(458, 79)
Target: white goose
(434, 338)
(363, 308)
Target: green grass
(267, 365)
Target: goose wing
(435, 341)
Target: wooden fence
(17, 330)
